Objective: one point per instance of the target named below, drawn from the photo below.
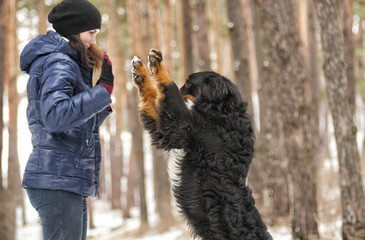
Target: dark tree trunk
(187, 41)
(257, 177)
(290, 76)
(270, 145)
(352, 195)
(237, 31)
(162, 189)
(7, 215)
(90, 211)
(2, 74)
(202, 35)
(119, 106)
(138, 45)
(349, 50)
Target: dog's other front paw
(154, 61)
(139, 72)
(158, 71)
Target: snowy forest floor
(110, 226)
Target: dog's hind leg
(147, 91)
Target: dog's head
(209, 87)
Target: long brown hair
(90, 57)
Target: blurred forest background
(299, 63)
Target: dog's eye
(187, 84)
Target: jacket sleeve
(60, 109)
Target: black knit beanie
(72, 17)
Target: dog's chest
(174, 165)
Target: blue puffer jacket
(64, 114)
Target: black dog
(211, 142)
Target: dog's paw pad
(136, 63)
(154, 61)
(137, 70)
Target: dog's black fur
(217, 140)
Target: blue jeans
(63, 214)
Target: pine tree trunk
(186, 15)
(352, 195)
(11, 64)
(7, 215)
(138, 34)
(349, 50)
(185, 42)
(216, 33)
(11, 76)
(202, 37)
(90, 210)
(162, 190)
(237, 31)
(168, 32)
(270, 145)
(155, 24)
(130, 186)
(42, 16)
(11, 196)
(120, 92)
(290, 76)
(257, 175)
(2, 75)
(312, 65)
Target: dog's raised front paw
(154, 61)
(139, 72)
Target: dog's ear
(216, 88)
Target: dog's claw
(136, 63)
(154, 60)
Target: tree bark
(13, 100)
(216, 33)
(349, 50)
(162, 189)
(138, 47)
(2, 75)
(202, 37)
(257, 174)
(185, 41)
(119, 106)
(168, 32)
(186, 15)
(352, 195)
(290, 76)
(90, 210)
(237, 31)
(270, 145)
(42, 17)
(7, 215)
(11, 196)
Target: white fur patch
(190, 104)
(173, 165)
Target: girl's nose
(93, 41)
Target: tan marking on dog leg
(147, 90)
(158, 73)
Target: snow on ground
(110, 226)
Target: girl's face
(88, 38)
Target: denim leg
(61, 213)
(84, 219)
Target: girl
(64, 114)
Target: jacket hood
(43, 45)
